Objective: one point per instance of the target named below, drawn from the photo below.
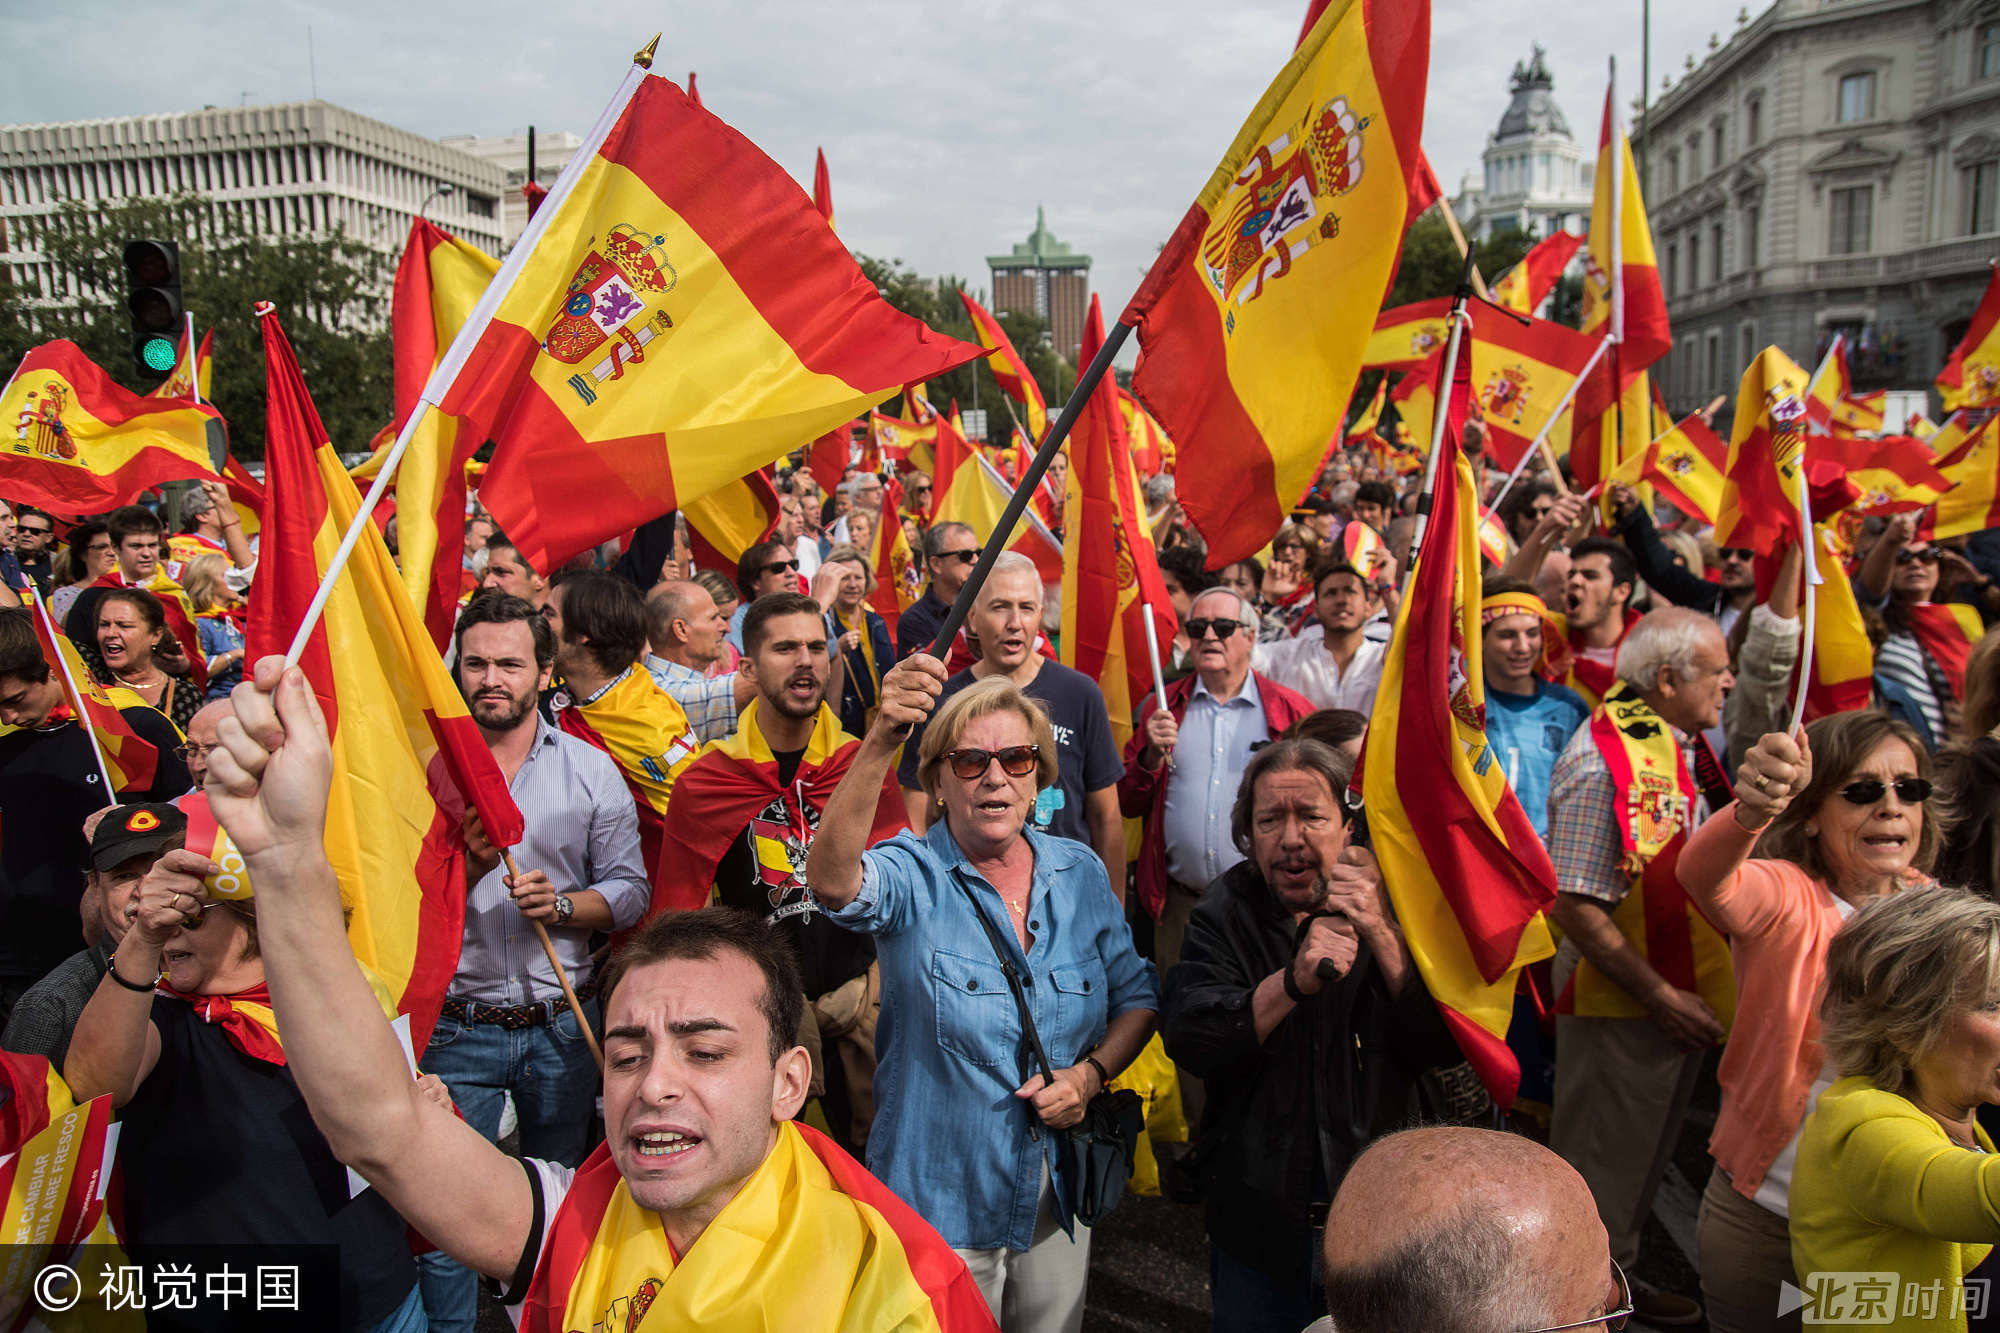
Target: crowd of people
(798, 867)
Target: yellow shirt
(1880, 1190)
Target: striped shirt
(1902, 659)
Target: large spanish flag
(1254, 318)
(1685, 464)
(1893, 473)
(1973, 468)
(81, 444)
(1971, 374)
(438, 282)
(1468, 877)
(1521, 380)
(1111, 576)
(680, 315)
(1760, 495)
(1010, 372)
(129, 762)
(402, 739)
(968, 489)
(1525, 286)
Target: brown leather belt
(514, 1017)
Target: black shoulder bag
(1097, 1151)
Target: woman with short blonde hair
(995, 694)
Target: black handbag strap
(1013, 975)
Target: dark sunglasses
(1016, 761)
(782, 567)
(27, 531)
(1737, 553)
(1197, 630)
(965, 557)
(1867, 791)
(1928, 555)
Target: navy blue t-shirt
(1087, 757)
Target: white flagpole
(1541, 438)
(1809, 546)
(194, 362)
(69, 682)
(442, 378)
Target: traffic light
(153, 294)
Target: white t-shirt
(551, 1182)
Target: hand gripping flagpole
(562, 974)
(448, 368)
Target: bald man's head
(202, 737)
(1464, 1231)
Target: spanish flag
(1835, 406)
(723, 524)
(1947, 631)
(810, 1244)
(676, 315)
(1254, 319)
(968, 489)
(80, 444)
(1893, 473)
(890, 558)
(823, 189)
(404, 747)
(1111, 577)
(641, 727)
(1526, 285)
(129, 762)
(1467, 875)
(1971, 375)
(902, 443)
(730, 788)
(828, 456)
(1973, 468)
(1407, 336)
(191, 375)
(438, 282)
(1010, 372)
(1760, 491)
(246, 493)
(1843, 659)
(1152, 451)
(1685, 464)
(1521, 378)
(1362, 429)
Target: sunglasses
(782, 567)
(1197, 630)
(1016, 761)
(1737, 553)
(1867, 791)
(1928, 555)
(964, 557)
(27, 531)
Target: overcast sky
(944, 124)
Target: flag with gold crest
(1760, 505)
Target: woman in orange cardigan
(1837, 818)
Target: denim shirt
(950, 1138)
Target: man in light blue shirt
(1528, 719)
(687, 631)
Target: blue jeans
(554, 1083)
(1251, 1300)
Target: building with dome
(1536, 180)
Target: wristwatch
(564, 907)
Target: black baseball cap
(136, 830)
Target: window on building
(1857, 97)
(1715, 253)
(1673, 269)
(1989, 50)
(1753, 217)
(1753, 122)
(1980, 181)
(1746, 344)
(1850, 212)
(1712, 380)
(1694, 157)
(1673, 171)
(1716, 137)
(1694, 260)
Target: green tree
(331, 292)
(1431, 263)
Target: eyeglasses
(1611, 1319)
(190, 752)
(964, 557)
(26, 531)
(782, 567)
(1867, 791)
(1016, 761)
(1928, 555)
(1197, 630)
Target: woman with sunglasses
(967, 1128)
(1837, 819)
(1920, 662)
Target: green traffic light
(159, 354)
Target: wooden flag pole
(562, 976)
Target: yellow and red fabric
(823, 188)
(1407, 336)
(903, 444)
(1835, 406)
(246, 493)
(687, 317)
(1843, 659)
(1760, 490)
(642, 728)
(130, 762)
(1494, 545)
(894, 566)
(438, 282)
(190, 379)
(1469, 879)
(968, 489)
(723, 524)
(55, 1169)
(1657, 794)
(1254, 319)
(1362, 429)
(1010, 372)
(1110, 572)
(1893, 473)
(1152, 451)
(1525, 286)
(1685, 464)
(810, 1244)
(733, 781)
(404, 746)
(1947, 631)
(1971, 462)
(1971, 374)
(827, 457)
(81, 444)
(1520, 374)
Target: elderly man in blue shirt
(506, 1029)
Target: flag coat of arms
(1254, 318)
(76, 442)
(1521, 374)
(1760, 489)
(684, 317)
(1407, 336)
(1684, 464)
(1971, 374)
(191, 375)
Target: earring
(1812, 830)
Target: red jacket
(1141, 793)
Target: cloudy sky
(944, 124)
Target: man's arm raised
(267, 784)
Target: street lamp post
(443, 189)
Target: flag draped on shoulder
(129, 762)
(647, 734)
(1971, 374)
(438, 282)
(81, 444)
(405, 749)
(680, 315)
(1525, 286)
(1760, 489)
(1111, 576)
(1469, 879)
(1010, 372)
(1253, 321)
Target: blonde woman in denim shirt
(963, 1129)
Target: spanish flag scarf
(733, 785)
(1592, 680)
(1656, 794)
(1946, 631)
(638, 724)
(246, 1018)
(811, 1244)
